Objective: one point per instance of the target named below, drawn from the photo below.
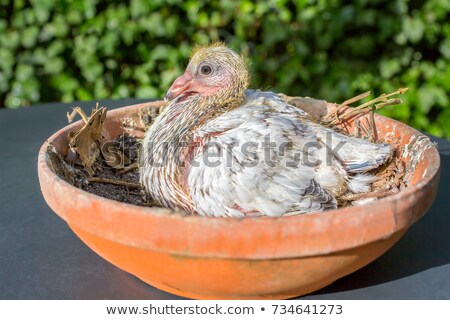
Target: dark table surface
(41, 258)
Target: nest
(110, 168)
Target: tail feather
(355, 154)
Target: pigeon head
(214, 73)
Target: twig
(356, 98)
(148, 204)
(389, 102)
(372, 126)
(131, 167)
(383, 102)
(357, 130)
(75, 111)
(374, 194)
(116, 182)
(344, 104)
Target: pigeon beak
(179, 86)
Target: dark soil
(118, 192)
(126, 148)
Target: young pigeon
(220, 150)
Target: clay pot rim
(155, 228)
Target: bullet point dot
(262, 309)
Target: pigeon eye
(206, 70)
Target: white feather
(360, 183)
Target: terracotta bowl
(251, 258)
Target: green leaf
(429, 96)
(42, 10)
(146, 92)
(108, 43)
(139, 8)
(3, 25)
(83, 94)
(10, 40)
(29, 36)
(54, 65)
(444, 48)
(4, 82)
(55, 48)
(389, 67)
(413, 28)
(443, 120)
(121, 91)
(64, 83)
(420, 120)
(274, 31)
(6, 60)
(74, 17)
(12, 101)
(24, 72)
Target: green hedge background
(329, 49)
